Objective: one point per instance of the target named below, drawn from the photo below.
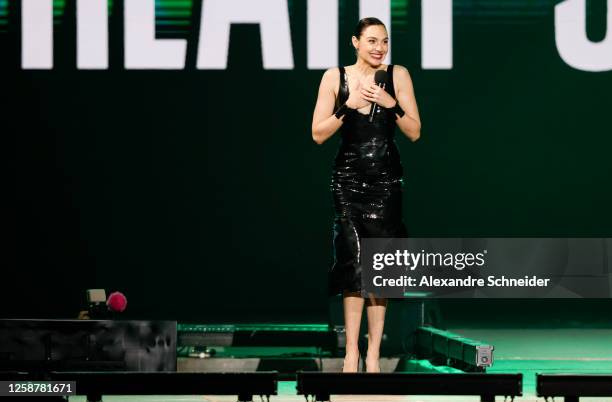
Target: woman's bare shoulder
(400, 71)
(331, 74)
(331, 79)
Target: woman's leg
(376, 308)
(353, 308)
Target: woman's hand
(355, 99)
(375, 94)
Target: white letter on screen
(437, 34)
(572, 42)
(272, 17)
(37, 34)
(92, 34)
(380, 9)
(322, 34)
(142, 50)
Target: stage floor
(531, 351)
(586, 351)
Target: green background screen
(201, 195)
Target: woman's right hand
(355, 99)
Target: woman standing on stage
(367, 175)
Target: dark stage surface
(587, 351)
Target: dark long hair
(366, 22)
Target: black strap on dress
(343, 91)
(390, 88)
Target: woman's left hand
(378, 95)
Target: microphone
(380, 78)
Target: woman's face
(373, 44)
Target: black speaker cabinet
(46, 345)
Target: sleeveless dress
(366, 186)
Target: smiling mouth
(376, 56)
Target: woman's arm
(410, 123)
(324, 122)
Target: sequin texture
(366, 186)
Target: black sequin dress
(366, 187)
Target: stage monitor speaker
(73, 345)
